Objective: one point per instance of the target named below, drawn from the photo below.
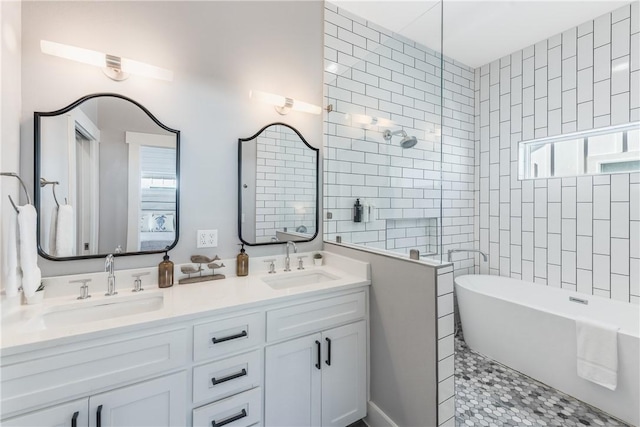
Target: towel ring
(44, 182)
(24, 187)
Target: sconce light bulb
(115, 67)
(284, 104)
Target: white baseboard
(376, 418)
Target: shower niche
(405, 234)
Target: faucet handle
(300, 262)
(84, 289)
(137, 284)
(272, 265)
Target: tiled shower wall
(295, 204)
(379, 74)
(576, 233)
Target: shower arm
(387, 134)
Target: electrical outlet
(207, 239)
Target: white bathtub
(531, 328)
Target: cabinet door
(344, 374)
(70, 414)
(292, 383)
(154, 403)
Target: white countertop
(22, 327)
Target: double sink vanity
(268, 349)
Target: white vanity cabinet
(297, 361)
(319, 379)
(73, 414)
(154, 403)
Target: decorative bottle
(242, 262)
(165, 272)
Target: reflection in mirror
(278, 194)
(108, 175)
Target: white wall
(218, 51)
(576, 233)
(10, 60)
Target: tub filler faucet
(452, 251)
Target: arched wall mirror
(106, 179)
(278, 194)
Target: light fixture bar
(116, 67)
(283, 104)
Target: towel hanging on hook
(24, 187)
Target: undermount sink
(291, 280)
(102, 309)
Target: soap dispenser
(357, 211)
(242, 262)
(165, 272)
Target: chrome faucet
(452, 251)
(287, 260)
(109, 263)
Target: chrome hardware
(301, 263)
(137, 284)
(272, 265)
(579, 300)
(109, 264)
(287, 260)
(452, 251)
(84, 289)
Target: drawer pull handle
(229, 338)
(74, 419)
(229, 420)
(328, 361)
(318, 365)
(99, 416)
(229, 378)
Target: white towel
(31, 275)
(597, 352)
(52, 231)
(11, 275)
(65, 232)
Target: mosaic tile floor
(490, 394)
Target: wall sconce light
(283, 104)
(115, 67)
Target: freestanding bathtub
(531, 328)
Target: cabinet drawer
(222, 337)
(241, 410)
(314, 316)
(39, 377)
(226, 377)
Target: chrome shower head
(406, 141)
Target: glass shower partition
(383, 153)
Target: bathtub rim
(624, 330)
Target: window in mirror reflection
(600, 151)
(116, 169)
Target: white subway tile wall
(576, 233)
(383, 77)
(285, 201)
